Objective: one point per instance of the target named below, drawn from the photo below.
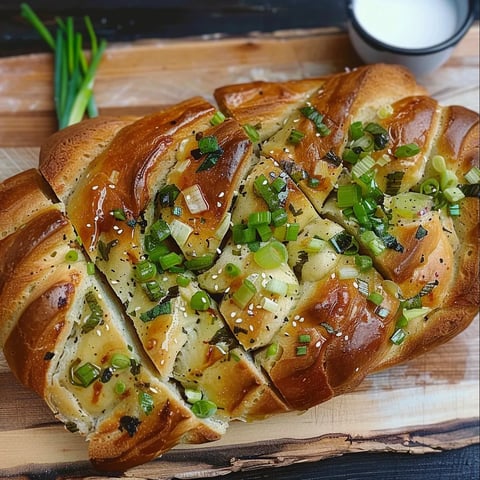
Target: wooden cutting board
(428, 404)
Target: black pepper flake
(48, 355)
(129, 424)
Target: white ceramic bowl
(419, 34)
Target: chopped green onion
(429, 187)
(170, 260)
(204, 408)
(259, 218)
(120, 387)
(244, 294)
(200, 301)
(278, 184)
(315, 245)
(145, 401)
(402, 322)
(90, 268)
(160, 230)
(277, 287)
(155, 252)
(347, 272)
(71, 256)
(376, 298)
(448, 179)
(183, 281)
(438, 163)
(180, 231)
(363, 144)
(304, 338)
(473, 175)
(208, 144)
(412, 313)
(264, 232)
(398, 336)
(271, 255)
(291, 233)
(217, 118)
(363, 166)
(263, 189)
(348, 195)
(408, 150)
(316, 117)
(232, 270)
(252, 132)
(379, 134)
(199, 263)
(269, 305)
(96, 313)
(87, 373)
(301, 350)
(356, 130)
(193, 395)
(363, 262)
(372, 242)
(453, 194)
(350, 156)
(279, 217)
(295, 137)
(272, 350)
(119, 361)
(194, 199)
(153, 290)
(145, 270)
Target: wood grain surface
(426, 405)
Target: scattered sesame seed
(250, 327)
(233, 314)
(120, 231)
(239, 320)
(221, 194)
(95, 187)
(219, 204)
(296, 317)
(338, 334)
(214, 277)
(294, 323)
(346, 337)
(318, 344)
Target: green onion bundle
(74, 74)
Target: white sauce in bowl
(408, 23)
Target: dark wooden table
(124, 20)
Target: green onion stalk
(74, 74)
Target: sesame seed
(95, 187)
(250, 327)
(239, 320)
(214, 277)
(294, 323)
(219, 204)
(346, 337)
(221, 194)
(338, 334)
(318, 344)
(233, 314)
(296, 317)
(120, 231)
(227, 289)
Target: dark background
(125, 20)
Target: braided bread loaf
(165, 275)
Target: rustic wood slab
(428, 404)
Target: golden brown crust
(311, 329)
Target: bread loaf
(162, 276)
